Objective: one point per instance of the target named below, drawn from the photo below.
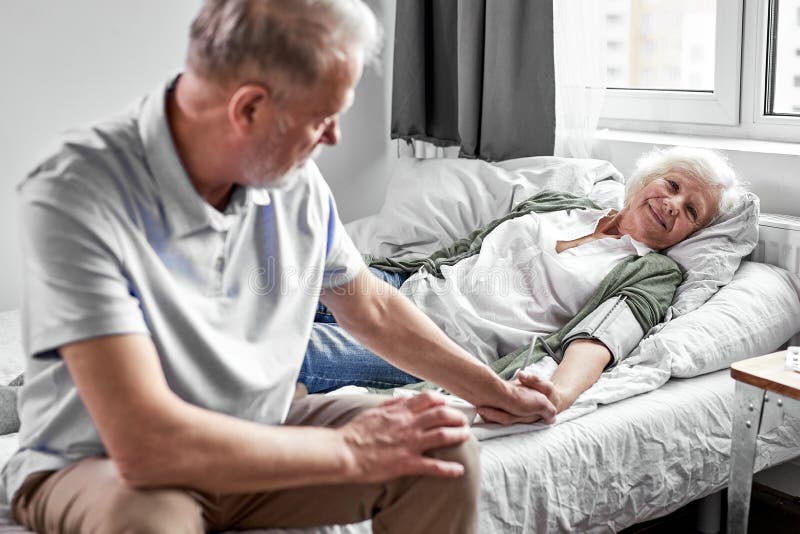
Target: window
(783, 33)
(676, 68)
(666, 41)
(773, 111)
(718, 67)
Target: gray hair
(287, 44)
(708, 166)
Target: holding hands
(530, 399)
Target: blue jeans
(334, 358)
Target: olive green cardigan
(647, 283)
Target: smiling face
(669, 209)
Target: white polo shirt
(117, 241)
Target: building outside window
(711, 67)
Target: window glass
(661, 44)
(786, 46)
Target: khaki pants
(89, 497)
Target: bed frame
(628, 462)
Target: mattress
(622, 464)
(625, 463)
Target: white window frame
(753, 116)
(720, 106)
(751, 121)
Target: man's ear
(250, 107)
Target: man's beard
(261, 167)
(262, 172)
(263, 175)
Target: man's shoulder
(98, 157)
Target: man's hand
(532, 399)
(581, 366)
(390, 441)
(388, 324)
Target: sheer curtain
(424, 150)
(580, 74)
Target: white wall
(66, 64)
(358, 169)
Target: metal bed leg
(747, 406)
(709, 514)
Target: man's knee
(466, 489)
(434, 504)
(152, 512)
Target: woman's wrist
(560, 399)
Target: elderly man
(160, 386)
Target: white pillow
(710, 257)
(431, 203)
(608, 194)
(362, 231)
(753, 315)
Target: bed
(625, 455)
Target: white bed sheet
(625, 463)
(622, 464)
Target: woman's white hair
(708, 166)
(288, 44)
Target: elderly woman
(534, 272)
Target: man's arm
(157, 439)
(388, 324)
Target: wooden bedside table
(765, 391)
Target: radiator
(779, 245)
(778, 242)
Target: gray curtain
(477, 74)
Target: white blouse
(518, 286)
